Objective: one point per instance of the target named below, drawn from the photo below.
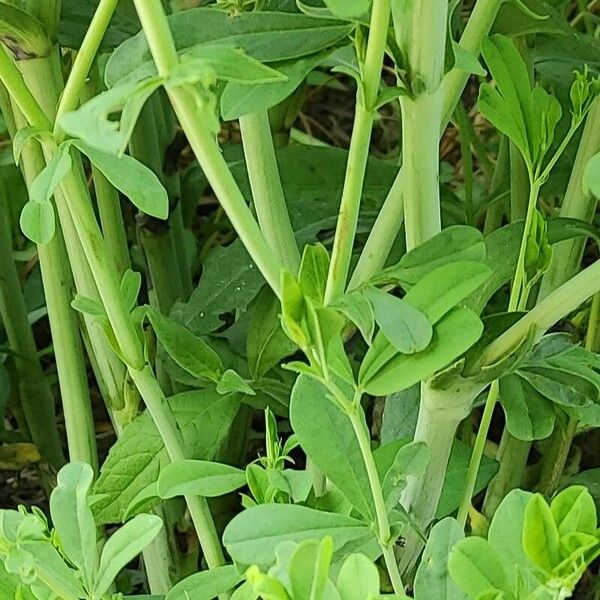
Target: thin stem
(359, 152)
(169, 431)
(267, 192)
(203, 142)
(84, 60)
(35, 394)
(383, 525)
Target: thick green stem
(59, 291)
(388, 222)
(359, 151)
(267, 191)
(189, 108)
(420, 166)
(512, 456)
(36, 400)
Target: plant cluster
(330, 376)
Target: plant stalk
(358, 155)
(204, 144)
(267, 191)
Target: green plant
(303, 369)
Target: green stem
(267, 192)
(383, 525)
(36, 400)
(494, 215)
(359, 151)
(390, 218)
(578, 204)
(512, 456)
(519, 185)
(171, 435)
(462, 120)
(204, 144)
(83, 61)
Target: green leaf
(266, 342)
(591, 176)
(38, 222)
(313, 272)
(199, 478)
(23, 34)
(135, 460)
(72, 517)
(406, 328)
(411, 459)
(131, 284)
(205, 585)
(348, 8)
(452, 336)
(313, 417)
(267, 36)
(123, 546)
(529, 415)
(445, 287)
(400, 414)
(358, 578)
(187, 350)
(238, 99)
(309, 568)
(574, 511)
(467, 61)
(252, 536)
(475, 566)
(561, 387)
(222, 62)
(432, 579)
(231, 381)
(229, 282)
(131, 177)
(456, 243)
(357, 308)
(540, 534)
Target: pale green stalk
(358, 155)
(77, 202)
(83, 61)
(267, 191)
(390, 218)
(189, 108)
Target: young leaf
(313, 417)
(130, 287)
(540, 534)
(124, 545)
(358, 578)
(132, 178)
(432, 579)
(357, 308)
(452, 336)
(313, 272)
(266, 342)
(476, 567)
(529, 415)
(233, 382)
(253, 535)
(309, 568)
(73, 518)
(455, 243)
(445, 287)
(205, 585)
(38, 222)
(199, 478)
(186, 349)
(574, 511)
(406, 328)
